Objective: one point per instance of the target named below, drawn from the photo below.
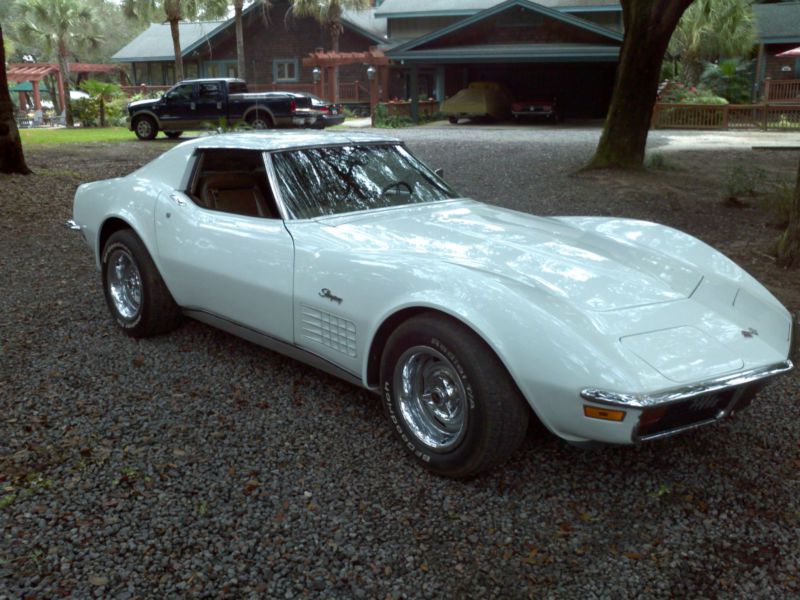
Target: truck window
(180, 92)
(237, 87)
(209, 90)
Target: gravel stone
(198, 465)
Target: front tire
(137, 296)
(450, 400)
(173, 135)
(453, 119)
(145, 128)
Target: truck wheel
(145, 128)
(259, 121)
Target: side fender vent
(329, 330)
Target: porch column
(373, 94)
(37, 98)
(440, 78)
(414, 91)
(383, 76)
(332, 94)
(23, 100)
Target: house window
(285, 69)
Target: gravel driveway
(199, 465)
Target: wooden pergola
(35, 72)
(325, 84)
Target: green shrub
(87, 111)
(678, 93)
(729, 79)
(741, 181)
(779, 202)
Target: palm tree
(329, 14)
(12, 160)
(238, 7)
(175, 11)
(710, 30)
(101, 92)
(60, 28)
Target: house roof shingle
(155, 42)
(778, 23)
(432, 8)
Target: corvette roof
(282, 140)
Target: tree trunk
(648, 27)
(240, 66)
(789, 244)
(176, 46)
(12, 159)
(69, 121)
(102, 112)
(335, 29)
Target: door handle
(178, 200)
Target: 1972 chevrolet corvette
(346, 252)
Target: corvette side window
(233, 181)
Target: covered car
(480, 99)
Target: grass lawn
(54, 136)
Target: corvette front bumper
(680, 409)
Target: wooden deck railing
(726, 116)
(782, 90)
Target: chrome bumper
(685, 392)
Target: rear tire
(137, 296)
(145, 128)
(450, 400)
(173, 135)
(259, 120)
(453, 119)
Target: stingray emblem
(748, 333)
(326, 293)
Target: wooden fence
(726, 116)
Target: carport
(534, 51)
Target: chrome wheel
(431, 398)
(144, 128)
(259, 123)
(124, 284)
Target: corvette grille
(329, 330)
(703, 409)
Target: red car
(536, 108)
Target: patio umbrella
(792, 52)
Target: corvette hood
(596, 272)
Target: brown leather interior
(233, 192)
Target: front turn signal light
(603, 413)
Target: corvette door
(222, 249)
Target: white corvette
(347, 253)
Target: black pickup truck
(199, 103)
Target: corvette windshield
(332, 180)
